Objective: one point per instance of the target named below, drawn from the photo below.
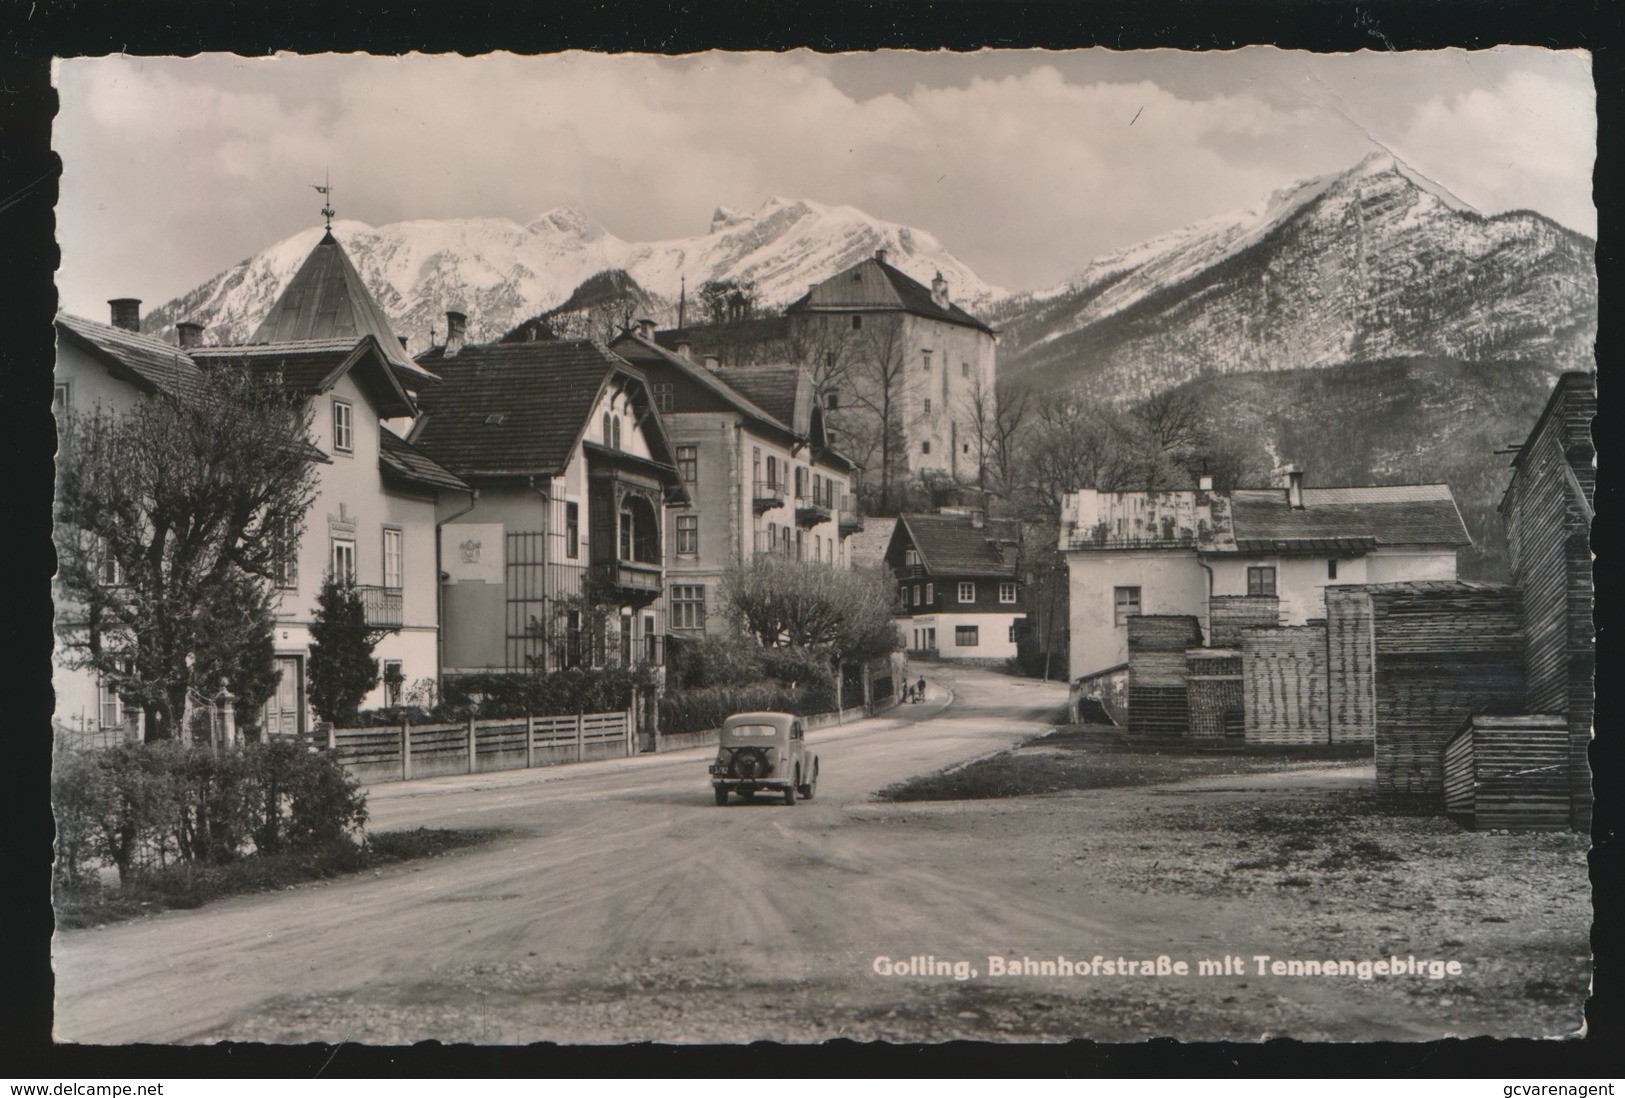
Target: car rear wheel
(721, 792)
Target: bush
(140, 807)
(699, 710)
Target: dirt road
(622, 905)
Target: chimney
(685, 350)
(403, 342)
(1204, 484)
(646, 328)
(1294, 487)
(456, 328)
(190, 334)
(939, 291)
(880, 255)
(713, 363)
(126, 313)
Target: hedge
(698, 710)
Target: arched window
(640, 531)
(607, 440)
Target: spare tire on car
(750, 762)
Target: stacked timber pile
(1157, 705)
(1509, 772)
(1351, 700)
(1213, 692)
(1228, 615)
(1443, 652)
(1284, 685)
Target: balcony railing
(382, 606)
(767, 495)
(629, 580)
(811, 512)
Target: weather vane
(325, 188)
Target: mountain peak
(566, 221)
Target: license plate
(718, 768)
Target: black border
(31, 31)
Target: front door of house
(285, 711)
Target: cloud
(176, 168)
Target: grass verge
(188, 886)
(1069, 759)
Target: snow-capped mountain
(1369, 264)
(500, 272)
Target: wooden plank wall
(1351, 686)
(1444, 652)
(1284, 684)
(1509, 772)
(1548, 536)
(1157, 702)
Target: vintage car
(764, 751)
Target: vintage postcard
(1011, 546)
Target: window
(1125, 603)
(967, 591)
(392, 679)
(1261, 581)
(651, 643)
(818, 488)
(572, 530)
(626, 640)
(857, 322)
(688, 462)
(343, 426)
(393, 560)
(615, 427)
(284, 557)
(756, 466)
(688, 533)
(1331, 568)
(109, 572)
(916, 594)
(109, 705)
(964, 369)
(911, 557)
(925, 447)
(801, 482)
(571, 654)
(688, 606)
(1012, 637)
(925, 356)
(773, 471)
(801, 553)
(626, 534)
(1007, 592)
(343, 561)
(606, 428)
(818, 547)
(927, 405)
(966, 448)
(661, 391)
(930, 594)
(965, 636)
(832, 400)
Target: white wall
(992, 641)
(1170, 582)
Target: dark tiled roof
(706, 339)
(891, 289)
(511, 408)
(635, 349)
(313, 366)
(774, 389)
(399, 458)
(1405, 514)
(953, 545)
(145, 361)
(326, 299)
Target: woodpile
(1509, 772)
(1213, 693)
(1351, 700)
(1157, 703)
(1443, 652)
(1284, 684)
(1228, 615)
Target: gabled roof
(784, 392)
(315, 366)
(950, 545)
(637, 350)
(1347, 518)
(144, 361)
(326, 300)
(704, 339)
(876, 284)
(519, 409)
(400, 460)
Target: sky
(1024, 164)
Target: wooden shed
(1284, 684)
(1443, 652)
(1228, 615)
(1157, 702)
(1509, 772)
(1548, 511)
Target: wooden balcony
(851, 520)
(767, 495)
(382, 606)
(810, 513)
(631, 583)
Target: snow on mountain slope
(500, 272)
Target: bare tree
(881, 407)
(994, 415)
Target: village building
(1240, 559)
(558, 556)
(869, 320)
(959, 596)
(372, 520)
(761, 475)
